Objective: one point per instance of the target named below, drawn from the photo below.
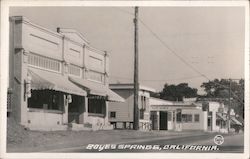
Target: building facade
(121, 115)
(57, 80)
(159, 114)
(190, 114)
(177, 116)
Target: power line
(175, 53)
(171, 50)
(180, 58)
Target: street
(232, 143)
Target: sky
(176, 44)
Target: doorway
(163, 120)
(209, 123)
(154, 117)
(76, 109)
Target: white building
(178, 116)
(121, 115)
(57, 80)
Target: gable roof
(73, 35)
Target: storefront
(178, 116)
(59, 81)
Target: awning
(221, 116)
(97, 89)
(112, 96)
(235, 121)
(41, 80)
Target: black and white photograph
(125, 80)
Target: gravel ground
(21, 140)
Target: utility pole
(136, 73)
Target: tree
(220, 89)
(177, 92)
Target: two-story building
(57, 80)
(121, 115)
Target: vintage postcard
(124, 79)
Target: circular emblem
(218, 139)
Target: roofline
(174, 103)
(25, 20)
(130, 86)
(72, 30)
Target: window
(96, 76)
(209, 122)
(178, 115)
(186, 118)
(142, 113)
(74, 70)
(44, 62)
(46, 99)
(196, 118)
(169, 116)
(143, 102)
(217, 122)
(96, 106)
(112, 115)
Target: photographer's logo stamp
(218, 139)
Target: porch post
(65, 113)
(106, 119)
(158, 120)
(213, 122)
(85, 113)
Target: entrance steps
(47, 128)
(88, 126)
(78, 127)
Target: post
(136, 83)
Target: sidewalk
(47, 141)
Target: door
(76, 109)
(209, 124)
(210, 121)
(163, 120)
(153, 116)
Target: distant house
(57, 80)
(159, 114)
(190, 115)
(178, 116)
(121, 115)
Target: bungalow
(57, 80)
(191, 115)
(178, 116)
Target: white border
(5, 4)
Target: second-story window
(96, 76)
(44, 62)
(74, 70)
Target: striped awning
(41, 80)
(235, 121)
(97, 89)
(220, 116)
